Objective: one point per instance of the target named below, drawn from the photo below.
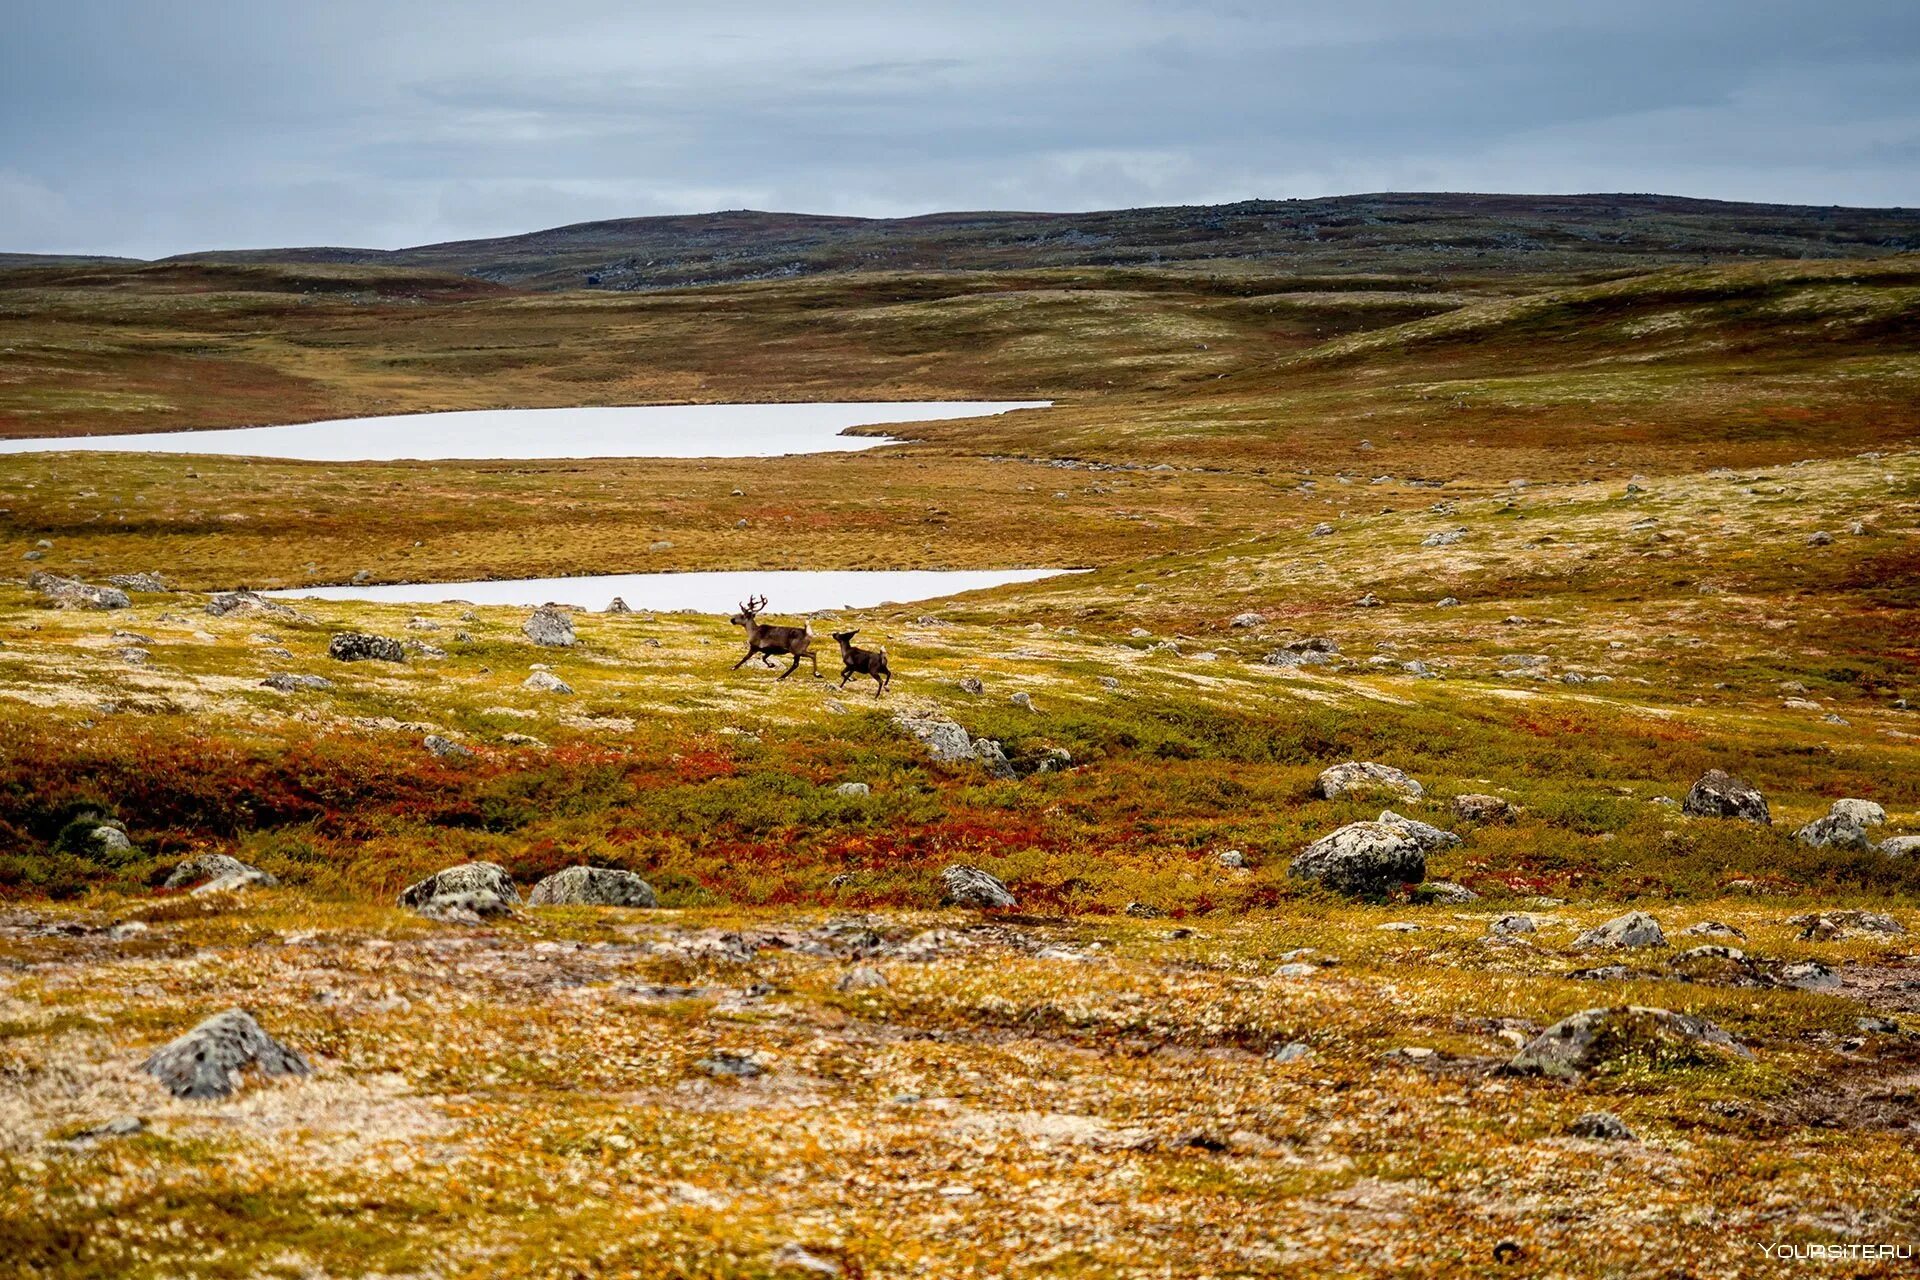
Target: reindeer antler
(758, 604)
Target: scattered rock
(1369, 601)
(1022, 700)
(290, 682)
(249, 603)
(593, 887)
(475, 889)
(446, 748)
(1863, 812)
(1810, 975)
(358, 646)
(971, 887)
(548, 626)
(1513, 925)
(1835, 831)
(1233, 859)
(732, 1063)
(211, 869)
(1366, 858)
(853, 789)
(1424, 834)
(152, 583)
(203, 1062)
(993, 758)
(1900, 846)
(1144, 911)
(972, 684)
(1248, 620)
(71, 593)
(1292, 1051)
(1602, 1126)
(1820, 539)
(1719, 794)
(1826, 925)
(617, 605)
(1634, 929)
(1358, 778)
(546, 682)
(1321, 530)
(1712, 929)
(792, 1257)
(1596, 1037)
(1443, 893)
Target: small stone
(546, 682)
(1233, 859)
(1143, 911)
(731, 1063)
(618, 606)
(853, 790)
(1022, 700)
(550, 627)
(1719, 794)
(1602, 1126)
(1292, 1051)
(446, 748)
(863, 978)
(1476, 807)
(358, 646)
(972, 684)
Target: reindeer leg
(766, 659)
(736, 666)
(790, 670)
(845, 676)
(815, 658)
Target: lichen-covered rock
(1719, 794)
(593, 887)
(359, 646)
(289, 682)
(1363, 778)
(446, 748)
(548, 626)
(466, 879)
(1424, 834)
(971, 887)
(1595, 1038)
(1835, 831)
(1826, 925)
(1366, 858)
(1901, 846)
(944, 740)
(71, 593)
(148, 582)
(250, 604)
(1443, 893)
(203, 1062)
(546, 682)
(210, 869)
(618, 606)
(1634, 929)
(1711, 929)
(1864, 813)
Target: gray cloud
(148, 129)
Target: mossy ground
(1071, 1091)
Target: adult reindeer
(765, 641)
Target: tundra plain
(1564, 534)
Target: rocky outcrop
(203, 1062)
(1595, 1037)
(1424, 834)
(359, 646)
(472, 890)
(971, 887)
(1366, 778)
(593, 887)
(218, 873)
(948, 743)
(1719, 794)
(1835, 831)
(251, 604)
(290, 682)
(548, 626)
(1634, 929)
(1363, 858)
(71, 593)
(148, 582)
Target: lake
(635, 431)
(788, 592)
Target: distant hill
(1400, 233)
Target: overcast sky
(147, 127)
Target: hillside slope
(1378, 232)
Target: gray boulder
(1719, 794)
(853, 790)
(470, 880)
(1712, 929)
(546, 682)
(1443, 893)
(1634, 929)
(971, 887)
(71, 593)
(1900, 846)
(1424, 834)
(617, 606)
(203, 1062)
(1863, 812)
(149, 582)
(1366, 858)
(289, 682)
(250, 604)
(593, 887)
(1476, 807)
(1596, 1037)
(1835, 831)
(1363, 778)
(358, 646)
(446, 748)
(548, 626)
(210, 869)
(1825, 925)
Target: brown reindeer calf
(864, 662)
(764, 640)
